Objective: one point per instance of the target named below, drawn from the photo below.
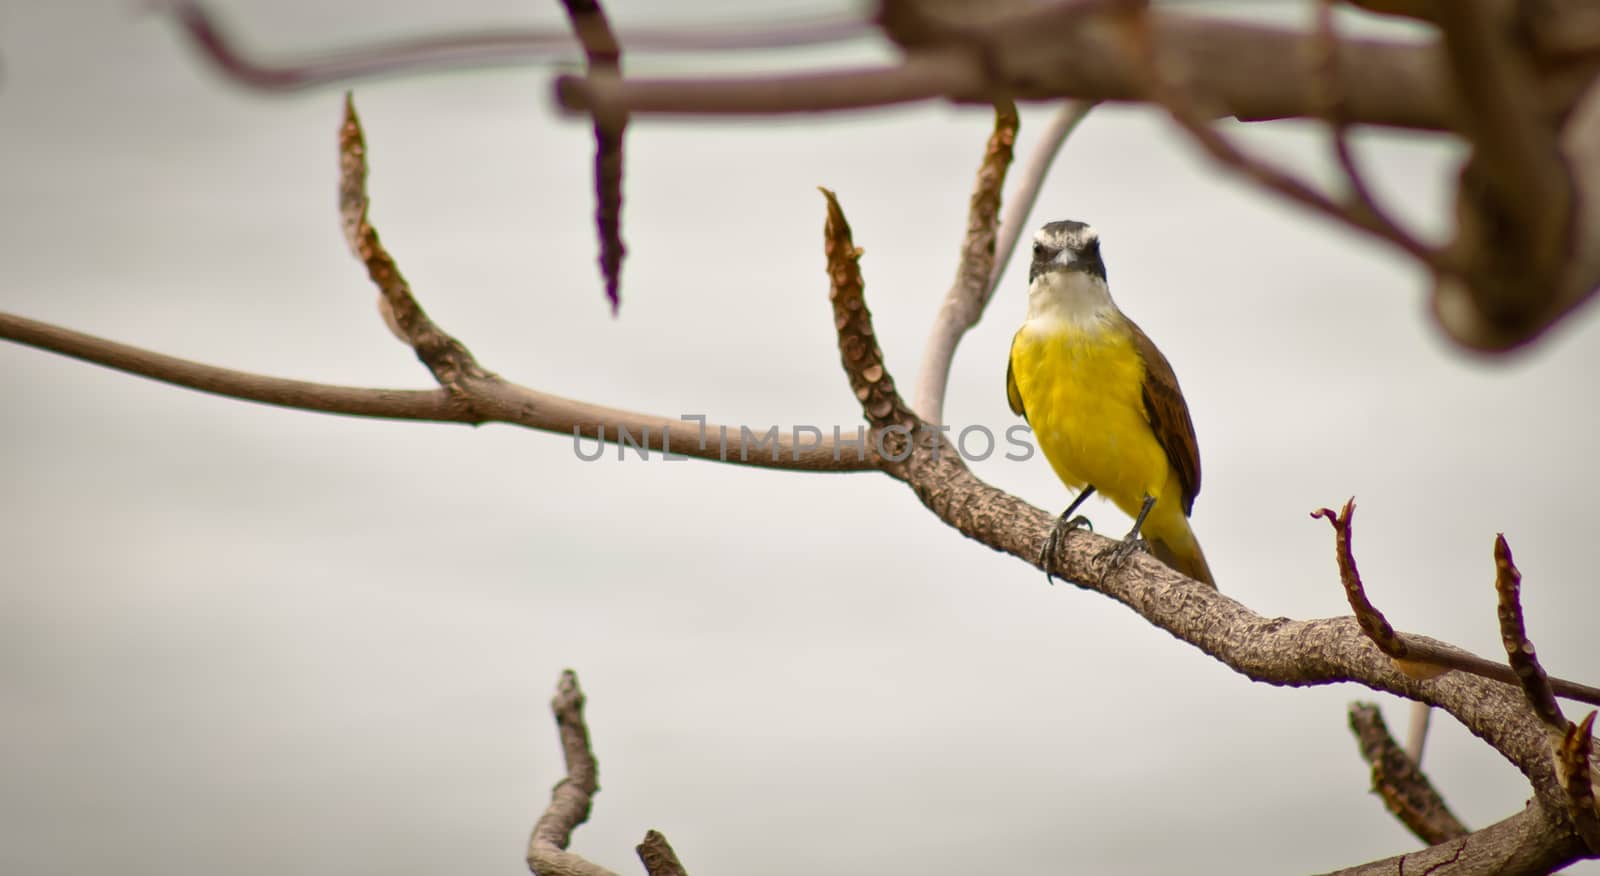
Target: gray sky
(236, 637)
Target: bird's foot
(1118, 555)
(1052, 542)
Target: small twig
(1223, 150)
(1414, 656)
(573, 797)
(1372, 621)
(1400, 782)
(605, 60)
(480, 49)
(1520, 653)
(858, 346)
(1579, 781)
(1360, 199)
(658, 857)
(965, 301)
(447, 358)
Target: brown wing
(1169, 416)
(1013, 395)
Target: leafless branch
(1179, 105)
(658, 857)
(1415, 656)
(1360, 198)
(1251, 71)
(477, 49)
(1522, 845)
(605, 59)
(1400, 782)
(446, 358)
(964, 303)
(573, 797)
(1519, 651)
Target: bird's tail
(1175, 545)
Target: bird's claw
(1053, 541)
(1117, 556)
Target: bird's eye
(1039, 250)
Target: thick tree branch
(573, 797)
(1400, 782)
(605, 59)
(1526, 844)
(1250, 71)
(968, 295)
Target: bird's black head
(1066, 246)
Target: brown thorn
(892, 422)
(1520, 654)
(573, 797)
(1400, 782)
(658, 857)
(1578, 780)
(604, 56)
(448, 360)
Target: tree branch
(964, 303)
(1417, 657)
(1251, 71)
(1272, 650)
(1523, 845)
(573, 797)
(477, 49)
(1022, 200)
(1400, 782)
(1144, 45)
(658, 857)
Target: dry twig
(573, 797)
(1400, 782)
(964, 303)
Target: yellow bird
(1103, 403)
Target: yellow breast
(1081, 388)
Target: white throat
(1074, 297)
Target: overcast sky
(241, 639)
